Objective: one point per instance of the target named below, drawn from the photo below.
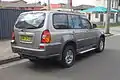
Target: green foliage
(39, 2)
(44, 4)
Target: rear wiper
(31, 28)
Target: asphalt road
(100, 66)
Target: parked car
(55, 34)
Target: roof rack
(82, 15)
(68, 11)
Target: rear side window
(76, 22)
(30, 20)
(70, 21)
(60, 21)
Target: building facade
(20, 5)
(54, 6)
(101, 17)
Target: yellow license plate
(26, 38)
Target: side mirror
(94, 26)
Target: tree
(39, 2)
(44, 4)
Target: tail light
(42, 47)
(46, 37)
(13, 36)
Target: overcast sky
(75, 2)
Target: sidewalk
(113, 30)
(6, 54)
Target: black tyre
(68, 56)
(101, 45)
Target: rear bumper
(33, 53)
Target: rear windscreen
(30, 20)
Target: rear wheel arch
(72, 43)
(64, 45)
(67, 44)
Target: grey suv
(55, 34)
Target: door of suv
(90, 33)
(76, 24)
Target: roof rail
(68, 11)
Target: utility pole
(48, 5)
(117, 3)
(107, 28)
(0, 3)
(70, 4)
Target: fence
(7, 21)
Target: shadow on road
(45, 66)
(52, 65)
(85, 56)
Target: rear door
(28, 29)
(62, 31)
(75, 22)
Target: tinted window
(86, 24)
(60, 21)
(96, 15)
(30, 20)
(70, 21)
(75, 22)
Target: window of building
(96, 15)
(22, 8)
(119, 2)
(112, 15)
(26, 7)
(32, 7)
(112, 3)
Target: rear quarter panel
(59, 37)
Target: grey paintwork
(83, 38)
